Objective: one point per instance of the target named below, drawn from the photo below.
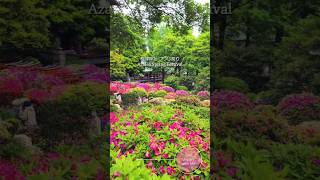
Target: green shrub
(185, 83)
(128, 168)
(298, 158)
(261, 122)
(232, 84)
(172, 81)
(140, 92)
(189, 100)
(182, 88)
(307, 133)
(202, 81)
(13, 149)
(298, 108)
(159, 93)
(271, 97)
(69, 116)
(130, 98)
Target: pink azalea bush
(182, 93)
(10, 88)
(300, 107)
(203, 94)
(8, 171)
(167, 88)
(230, 100)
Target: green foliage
(272, 97)
(254, 164)
(182, 88)
(185, 83)
(231, 83)
(140, 92)
(128, 168)
(189, 100)
(172, 81)
(117, 66)
(202, 82)
(70, 115)
(130, 98)
(262, 123)
(296, 60)
(298, 158)
(27, 23)
(159, 93)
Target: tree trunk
(222, 31)
(279, 34)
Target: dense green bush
(69, 116)
(189, 100)
(172, 81)
(159, 93)
(130, 98)
(307, 133)
(271, 97)
(202, 80)
(300, 160)
(261, 122)
(185, 83)
(182, 88)
(232, 84)
(140, 92)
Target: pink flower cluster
(182, 93)
(203, 94)
(8, 171)
(230, 100)
(298, 101)
(167, 88)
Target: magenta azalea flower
(182, 93)
(167, 88)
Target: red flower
(171, 170)
(162, 170)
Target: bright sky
(202, 1)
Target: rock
(26, 142)
(95, 124)
(118, 107)
(28, 115)
(157, 101)
(23, 140)
(205, 103)
(20, 101)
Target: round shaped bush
(230, 100)
(167, 88)
(10, 88)
(130, 98)
(141, 92)
(70, 115)
(307, 132)
(182, 93)
(182, 88)
(260, 122)
(170, 95)
(172, 81)
(145, 86)
(159, 93)
(190, 100)
(269, 97)
(203, 95)
(298, 108)
(232, 84)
